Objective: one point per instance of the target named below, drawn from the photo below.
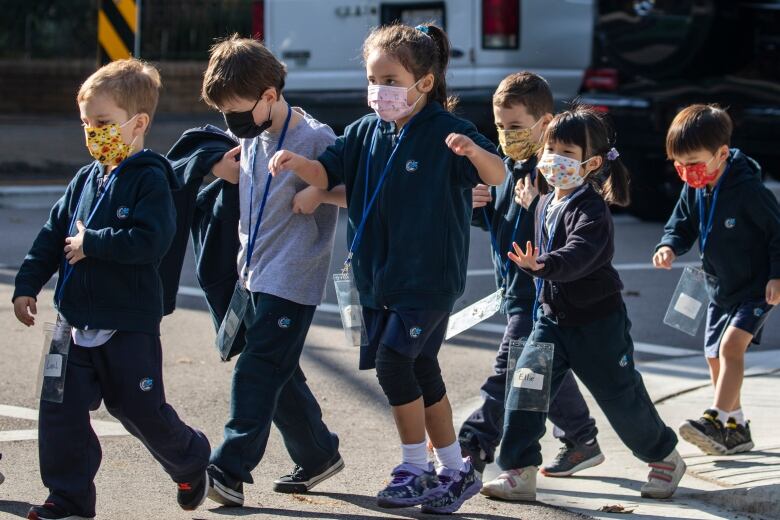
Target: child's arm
(309, 199)
(312, 172)
(489, 166)
(228, 168)
(680, 234)
(764, 211)
(154, 224)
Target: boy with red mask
(736, 220)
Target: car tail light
(604, 80)
(500, 24)
(258, 19)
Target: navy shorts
(410, 332)
(749, 316)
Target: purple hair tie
(613, 154)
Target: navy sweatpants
(568, 410)
(126, 373)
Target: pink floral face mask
(390, 103)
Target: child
(522, 108)
(582, 312)
(107, 235)
(737, 222)
(286, 239)
(409, 171)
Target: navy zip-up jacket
(580, 284)
(502, 214)
(743, 248)
(117, 285)
(415, 246)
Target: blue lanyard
(252, 241)
(704, 230)
(369, 204)
(67, 269)
(502, 268)
(540, 233)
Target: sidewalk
(741, 486)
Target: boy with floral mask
(522, 109)
(286, 231)
(106, 236)
(736, 220)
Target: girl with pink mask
(409, 169)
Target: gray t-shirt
(292, 254)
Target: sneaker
(706, 433)
(411, 486)
(457, 486)
(737, 437)
(223, 489)
(299, 481)
(49, 511)
(572, 459)
(664, 477)
(476, 455)
(192, 494)
(513, 484)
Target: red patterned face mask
(696, 175)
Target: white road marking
(102, 428)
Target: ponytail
(439, 92)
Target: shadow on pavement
(14, 507)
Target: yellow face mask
(518, 144)
(105, 143)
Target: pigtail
(616, 187)
(439, 92)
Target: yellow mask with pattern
(105, 143)
(519, 144)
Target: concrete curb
(30, 197)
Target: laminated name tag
(231, 323)
(54, 360)
(475, 313)
(350, 309)
(531, 379)
(688, 305)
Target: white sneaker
(513, 484)
(664, 476)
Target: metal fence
(170, 29)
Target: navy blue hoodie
(502, 214)
(416, 241)
(117, 285)
(743, 248)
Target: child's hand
(461, 145)
(480, 196)
(525, 260)
(663, 258)
(228, 168)
(307, 200)
(74, 246)
(284, 160)
(773, 292)
(25, 309)
(526, 191)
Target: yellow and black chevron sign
(117, 31)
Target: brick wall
(50, 86)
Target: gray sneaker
(572, 459)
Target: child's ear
(426, 83)
(723, 153)
(270, 95)
(141, 126)
(594, 164)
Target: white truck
(320, 41)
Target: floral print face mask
(560, 171)
(518, 144)
(105, 143)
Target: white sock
(723, 415)
(450, 456)
(738, 415)
(416, 454)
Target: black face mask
(243, 125)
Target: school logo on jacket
(730, 223)
(415, 332)
(412, 165)
(623, 361)
(758, 312)
(284, 322)
(123, 212)
(146, 384)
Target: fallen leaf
(617, 508)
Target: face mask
(105, 143)
(390, 103)
(519, 145)
(242, 124)
(561, 172)
(696, 175)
